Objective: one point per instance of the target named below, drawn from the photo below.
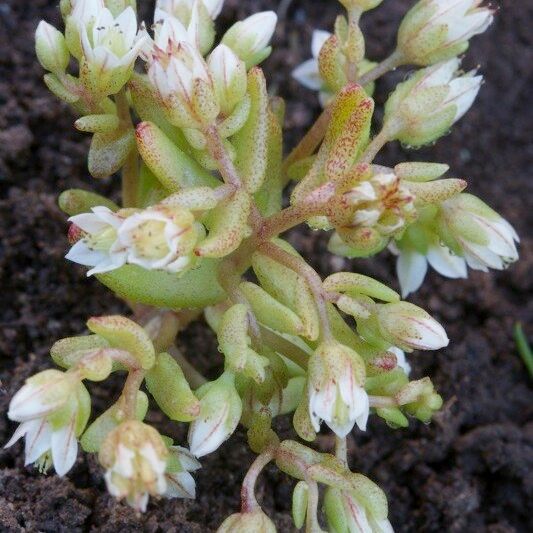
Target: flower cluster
(196, 139)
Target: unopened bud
(435, 30)
(409, 327)
(247, 522)
(249, 38)
(51, 48)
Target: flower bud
(81, 17)
(249, 38)
(229, 77)
(51, 48)
(410, 328)
(134, 456)
(419, 399)
(483, 237)
(435, 30)
(247, 522)
(184, 86)
(220, 412)
(336, 388)
(424, 107)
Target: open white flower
(180, 483)
(308, 73)
(52, 408)
(425, 106)
(159, 238)
(336, 389)
(412, 266)
(110, 47)
(435, 30)
(486, 239)
(409, 327)
(135, 458)
(220, 412)
(99, 248)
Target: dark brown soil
(468, 471)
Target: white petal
(187, 460)
(401, 360)
(38, 440)
(180, 485)
(363, 404)
(463, 92)
(82, 254)
(318, 41)
(206, 435)
(21, 430)
(446, 263)
(308, 75)
(64, 447)
(411, 268)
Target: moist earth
(470, 470)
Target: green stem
(341, 450)
(390, 63)
(523, 347)
(310, 141)
(130, 170)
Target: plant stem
(312, 525)
(248, 501)
(382, 401)
(193, 377)
(130, 170)
(129, 393)
(341, 450)
(375, 146)
(310, 141)
(313, 280)
(218, 152)
(388, 64)
(287, 348)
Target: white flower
(308, 73)
(249, 38)
(425, 106)
(113, 43)
(409, 327)
(335, 388)
(159, 239)
(135, 458)
(220, 412)
(411, 265)
(486, 239)
(100, 248)
(50, 395)
(438, 29)
(180, 484)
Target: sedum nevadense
(186, 118)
